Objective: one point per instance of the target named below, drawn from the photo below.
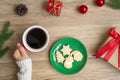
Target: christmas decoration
(100, 3)
(4, 36)
(21, 9)
(110, 51)
(83, 9)
(115, 4)
(54, 7)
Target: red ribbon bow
(54, 7)
(110, 47)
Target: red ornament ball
(83, 9)
(100, 3)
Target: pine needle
(115, 4)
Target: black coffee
(36, 38)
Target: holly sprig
(115, 4)
(4, 36)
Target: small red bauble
(83, 9)
(100, 3)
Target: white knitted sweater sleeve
(25, 72)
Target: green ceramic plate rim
(57, 43)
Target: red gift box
(110, 50)
(54, 7)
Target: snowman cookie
(68, 62)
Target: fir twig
(4, 36)
(115, 4)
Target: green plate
(74, 45)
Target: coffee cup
(35, 38)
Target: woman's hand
(20, 53)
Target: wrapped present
(54, 7)
(110, 50)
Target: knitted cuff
(24, 63)
(25, 72)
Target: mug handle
(25, 48)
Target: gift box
(54, 7)
(110, 50)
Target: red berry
(100, 3)
(83, 9)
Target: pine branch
(3, 51)
(5, 35)
(115, 4)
